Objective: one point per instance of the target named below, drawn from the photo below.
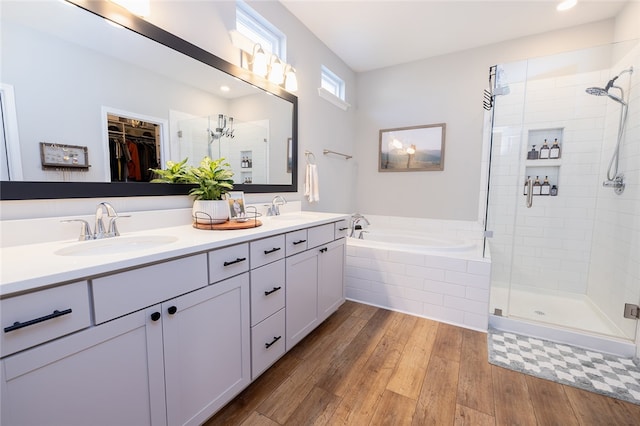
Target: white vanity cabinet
(168, 343)
(112, 374)
(315, 282)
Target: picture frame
(412, 149)
(236, 204)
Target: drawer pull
(266, 293)
(295, 243)
(238, 260)
(275, 339)
(172, 310)
(272, 250)
(17, 325)
(343, 229)
(323, 250)
(155, 316)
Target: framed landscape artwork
(412, 149)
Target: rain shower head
(596, 91)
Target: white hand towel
(311, 190)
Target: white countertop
(28, 267)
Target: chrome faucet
(99, 231)
(356, 220)
(277, 201)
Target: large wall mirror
(77, 89)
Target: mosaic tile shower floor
(606, 374)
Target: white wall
(444, 89)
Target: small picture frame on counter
(235, 201)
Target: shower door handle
(529, 193)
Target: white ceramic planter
(210, 211)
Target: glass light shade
(411, 151)
(260, 63)
(396, 144)
(276, 75)
(566, 5)
(291, 81)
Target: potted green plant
(212, 178)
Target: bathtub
(423, 267)
(405, 240)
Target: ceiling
(371, 34)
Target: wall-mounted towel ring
(311, 159)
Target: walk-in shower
(615, 179)
(564, 249)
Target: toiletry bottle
(553, 191)
(554, 152)
(536, 186)
(533, 154)
(544, 151)
(526, 186)
(545, 188)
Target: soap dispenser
(526, 186)
(545, 188)
(536, 186)
(544, 151)
(554, 152)
(533, 154)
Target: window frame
(259, 30)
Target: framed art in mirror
(412, 149)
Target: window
(253, 26)
(332, 88)
(331, 83)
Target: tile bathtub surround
(451, 290)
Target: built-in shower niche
(541, 168)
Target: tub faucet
(356, 220)
(277, 201)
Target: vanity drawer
(43, 315)
(267, 343)
(296, 242)
(267, 290)
(341, 229)
(119, 294)
(319, 235)
(266, 250)
(227, 262)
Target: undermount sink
(115, 245)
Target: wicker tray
(228, 225)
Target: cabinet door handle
(343, 229)
(238, 260)
(266, 293)
(155, 316)
(272, 250)
(324, 249)
(18, 325)
(172, 310)
(275, 339)
(295, 243)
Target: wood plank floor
(370, 366)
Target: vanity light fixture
(273, 68)
(137, 7)
(566, 5)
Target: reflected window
(253, 26)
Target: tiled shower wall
(547, 245)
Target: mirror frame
(31, 190)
